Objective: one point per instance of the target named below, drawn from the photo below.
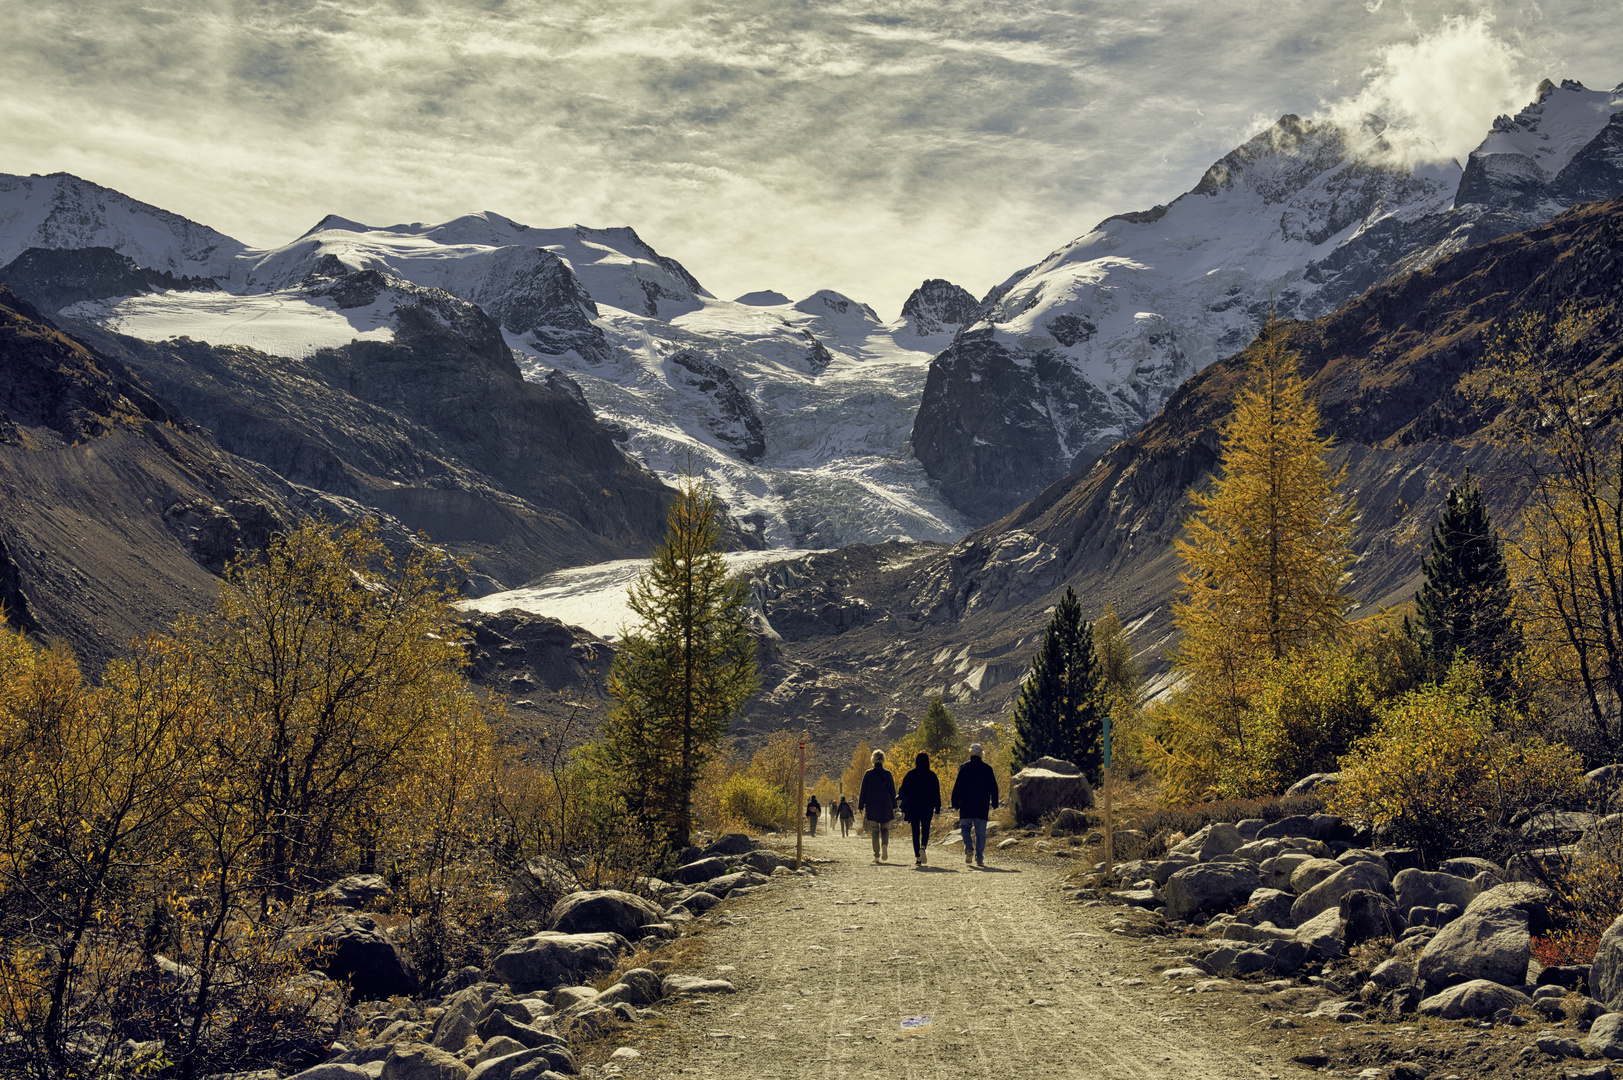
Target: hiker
(920, 797)
(845, 814)
(974, 795)
(877, 801)
(812, 810)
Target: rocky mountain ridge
(1068, 356)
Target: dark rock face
(353, 949)
(939, 305)
(117, 509)
(818, 358)
(991, 425)
(435, 428)
(797, 614)
(52, 279)
(730, 414)
(537, 294)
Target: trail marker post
(1110, 842)
(800, 803)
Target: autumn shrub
(1447, 764)
(753, 801)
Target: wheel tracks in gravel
(998, 976)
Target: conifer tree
(1062, 706)
(1465, 604)
(1266, 550)
(1116, 665)
(938, 731)
(682, 676)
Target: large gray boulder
(1554, 827)
(1603, 838)
(1036, 793)
(1271, 906)
(1428, 888)
(1531, 900)
(743, 879)
(1277, 872)
(1491, 944)
(356, 891)
(1296, 825)
(1309, 872)
(1606, 1037)
(461, 1015)
(1478, 998)
(1328, 893)
(1323, 934)
(1367, 915)
(729, 845)
(639, 986)
(1469, 866)
(505, 1025)
(604, 911)
(419, 1061)
(1209, 888)
(353, 949)
(693, 984)
(533, 1063)
(1606, 970)
(1220, 838)
(547, 960)
(702, 870)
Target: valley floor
(953, 971)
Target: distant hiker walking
(974, 795)
(845, 814)
(813, 809)
(877, 801)
(920, 797)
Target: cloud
(860, 145)
(1441, 92)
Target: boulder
(1271, 906)
(1260, 851)
(457, 981)
(543, 961)
(500, 1046)
(505, 1025)
(1606, 969)
(1056, 765)
(1606, 1037)
(1162, 869)
(1469, 866)
(1565, 976)
(1604, 837)
(353, 949)
(730, 845)
(1491, 944)
(1426, 888)
(1399, 859)
(1069, 822)
(1555, 827)
(1209, 888)
(1542, 864)
(1601, 787)
(1322, 934)
(418, 1061)
(574, 998)
(1477, 999)
(765, 862)
(603, 911)
(1356, 855)
(1036, 793)
(1367, 915)
(357, 891)
(1393, 973)
(461, 1015)
(702, 870)
(1309, 872)
(1147, 897)
(1219, 838)
(1277, 872)
(334, 1071)
(692, 984)
(1296, 825)
(1532, 900)
(699, 902)
(1249, 827)
(639, 986)
(534, 1062)
(1328, 893)
(1319, 783)
(1327, 827)
(728, 883)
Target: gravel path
(886, 971)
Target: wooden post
(1110, 840)
(800, 803)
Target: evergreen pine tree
(938, 731)
(1062, 706)
(1465, 604)
(681, 677)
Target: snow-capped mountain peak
(1560, 149)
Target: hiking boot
(876, 860)
(980, 861)
(924, 857)
(884, 853)
(969, 856)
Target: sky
(766, 144)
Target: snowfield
(284, 323)
(594, 597)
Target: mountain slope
(1074, 353)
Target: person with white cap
(974, 796)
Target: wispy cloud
(857, 146)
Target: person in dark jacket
(813, 810)
(877, 801)
(845, 814)
(974, 796)
(920, 797)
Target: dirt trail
(886, 971)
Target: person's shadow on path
(998, 870)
